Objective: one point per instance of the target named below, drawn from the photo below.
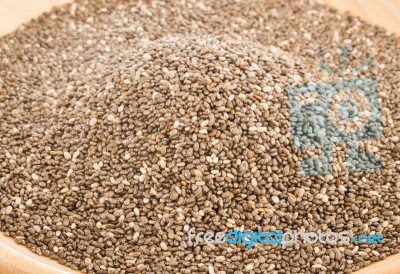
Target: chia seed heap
(124, 124)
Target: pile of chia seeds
(125, 124)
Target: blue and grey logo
(325, 114)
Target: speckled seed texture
(126, 123)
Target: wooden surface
(390, 265)
(15, 12)
(15, 259)
(381, 12)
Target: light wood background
(15, 12)
(382, 12)
(18, 260)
